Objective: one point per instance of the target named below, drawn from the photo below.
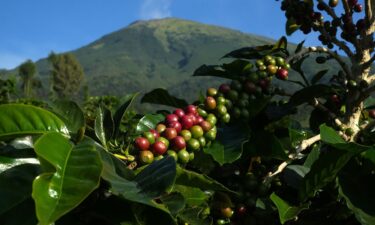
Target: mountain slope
(160, 53)
(156, 53)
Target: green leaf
(369, 103)
(20, 120)
(265, 144)
(156, 177)
(148, 184)
(104, 125)
(193, 179)
(309, 93)
(331, 137)
(357, 186)
(195, 216)
(236, 67)
(294, 174)
(318, 76)
(214, 71)
(72, 173)
(148, 122)
(286, 211)
(8, 163)
(120, 112)
(323, 171)
(312, 156)
(70, 113)
(282, 43)
(227, 148)
(291, 26)
(193, 196)
(299, 47)
(15, 185)
(175, 202)
(250, 52)
(162, 97)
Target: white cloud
(155, 9)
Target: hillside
(157, 53)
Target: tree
(66, 74)
(27, 72)
(354, 38)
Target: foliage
(234, 156)
(66, 74)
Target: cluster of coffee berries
(302, 13)
(181, 134)
(270, 66)
(251, 187)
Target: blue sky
(32, 29)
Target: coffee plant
(239, 155)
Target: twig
(341, 44)
(320, 106)
(308, 142)
(346, 6)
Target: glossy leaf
(312, 156)
(195, 216)
(15, 185)
(323, 171)
(174, 201)
(331, 137)
(299, 46)
(147, 185)
(193, 196)
(120, 112)
(227, 147)
(250, 52)
(316, 78)
(286, 211)
(309, 93)
(104, 125)
(359, 198)
(291, 26)
(72, 173)
(20, 120)
(236, 67)
(7, 163)
(194, 179)
(294, 174)
(214, 71)
(148, 122)
(70, 113)
(162, 97)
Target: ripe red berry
(282, 74)
(193, 117)
(142, 143)
(199, 119)
(170, 133)
(352, 2)
(175, 125)
(178, 143)
(241, 210)
(187, 121)
(179, 112)
(206, 126)
(335, 98)
(155, 133)
(224, 88)
(159, 148)
(371, 113)
(263, 84)
(250, 87)
(191, 109)
(171, 118)
(358, 8)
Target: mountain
(157, 53)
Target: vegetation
(234, 156)
(66, 75)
